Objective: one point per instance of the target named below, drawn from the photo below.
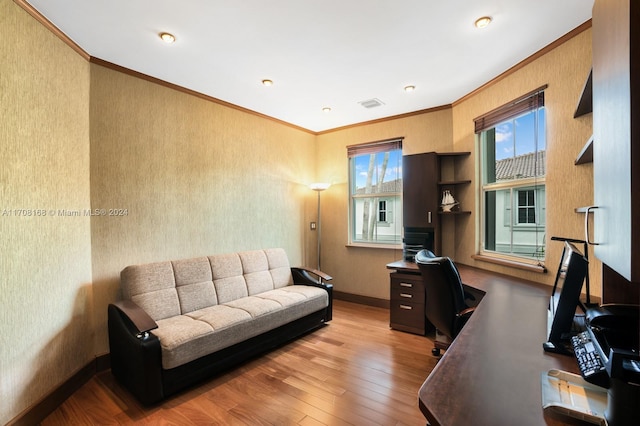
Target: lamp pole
(319, 187)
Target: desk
(490, 375)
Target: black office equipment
(564, 302)
(416, 239)
(615, 332)
(590, 362)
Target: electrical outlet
(312, 226)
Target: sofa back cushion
(279, 267)
(228, 277)
(166, 289)
(194, 284)
(256, 272)
(152, 287)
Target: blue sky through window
(393, 171)
(517, 137)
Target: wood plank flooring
(354, 371)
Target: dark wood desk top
(403, 266)
(490, 375)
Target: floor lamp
(319, 187)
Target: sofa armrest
(142, 322)
(301, 275)
(135, 354)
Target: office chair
(445, 306)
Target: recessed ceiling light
(326, 109)
(409, 88)
(267, 82)
(483, 22)
(167, 38)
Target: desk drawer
(407, 289)
(407, 316)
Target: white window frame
(511, 218)
(392, 227)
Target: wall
(193, 178)
(565, 68)
(358, 270)
(568, 186)
(46, 326)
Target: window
(382, 211)
(526, 206)
(375, 193)
(513, 152)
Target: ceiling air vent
(371, 103)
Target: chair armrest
(472, 295)
(137, 316)
(461, 319)
(466, 312)
(302, 273)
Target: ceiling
(331, 53)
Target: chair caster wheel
(435, 352)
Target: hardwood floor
(354, 371)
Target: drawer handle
(407, 295)
(406, 285)
(408, 308)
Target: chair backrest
(444, 292)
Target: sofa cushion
(230, 288)
(228, 277)
(256, 271)
(255, 306)
(166, 289)
(217, 327)
(194, 284)
(279, 267)
(152, 287)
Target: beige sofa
(184, 320)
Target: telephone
(616, 332)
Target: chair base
(441, 342)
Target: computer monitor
(564, 301)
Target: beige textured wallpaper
(46, 326)
(565, 70)
(358, 270)
(187, 177)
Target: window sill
(511, 263)
(376, 246)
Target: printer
(614, 334)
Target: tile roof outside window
(521, 166)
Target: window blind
(374, 147)
(521, 105)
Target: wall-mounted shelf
(586, 154)
(584, 107)
(585, 103)
(449, 167)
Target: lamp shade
(319, 186)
